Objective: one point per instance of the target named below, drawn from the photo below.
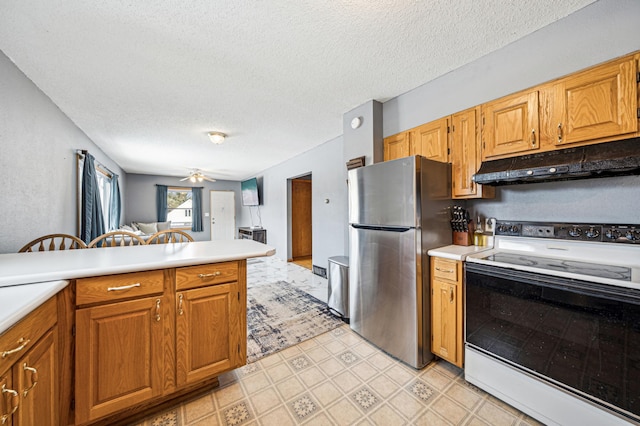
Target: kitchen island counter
(27, 268)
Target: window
(180, 207)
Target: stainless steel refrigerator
(398, 210)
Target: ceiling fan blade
(181, 180)
(209, 179)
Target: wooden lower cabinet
(119, 356)
(446, 310)
(29, 376)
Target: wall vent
(319, 270)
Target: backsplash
(606, 200)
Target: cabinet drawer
(117, 287)
(445, 269)
(20, 338)
(202, 275)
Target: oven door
(581, 336)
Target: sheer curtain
(115, 203)
(197, 210)
(161, 202)
(92, 220)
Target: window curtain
(197, 209)
(161, 202)
(92, 220)
(115, 204)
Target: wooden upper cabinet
(511, 125)
(431, 140)
(597, 103)
(465, 155)
(397, 146)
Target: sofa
(146, 229)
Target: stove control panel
(629, 234)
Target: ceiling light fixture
(217, 137)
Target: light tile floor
(337, 378)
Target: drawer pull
(22, 342)
(180, 311)
(34, 378)
(123, 287)
(448, 271)
(213, 274)
(15, 402)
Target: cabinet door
(597, 103)
(431, 140)
(9, 399)
(35, 375)
(444, 321)
(397, 146)
(465, 155)
(511, 125)
(210, 334)
(119, 357)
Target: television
(250, 196)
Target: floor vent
(318, 270)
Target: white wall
(328, 170)
(37, 162)
(597, 33)
(141, 200)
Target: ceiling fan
(197, 176)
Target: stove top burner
(570, 266)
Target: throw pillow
(148, 228)
(164, 226)
(127, 228)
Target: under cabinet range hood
(585, 162)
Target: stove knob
(575, 232)
(612, 234)
(592, 233)
(630, 235)
(514, 229)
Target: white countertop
(26, 268)
(457, 252)
(17, 301)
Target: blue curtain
(161, 202)
(92, 220)
(197, 210)
(115, 204)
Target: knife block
(463, 238)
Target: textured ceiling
(147, 79)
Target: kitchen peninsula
(135, 327)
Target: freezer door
(384, 193)
(386, 293)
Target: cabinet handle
(15, 402)
(22, 342)
(213, 274)
(123, 287)
(448, 271)
(450, 294)
(34, 378)
(533, 137)
(180, 311)
(560, 132)
(158, 310)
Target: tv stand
(251, 233)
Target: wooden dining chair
(170, 236)
(117, 239)
(53, 242)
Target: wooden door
(597, 103)
(119, 356)
(35, 376)
(9, 398)
(511, 125)
(397, 146)
(301, 225)
(431, 140)
(209, 332)
(444, 320)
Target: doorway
(300, 214)
(222, 205)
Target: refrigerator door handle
(383, 228)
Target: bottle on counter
(478, 234)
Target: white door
(223, 215)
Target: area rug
(280, 315)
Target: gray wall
(367, 139)
(599, 32)
(141, 200)
(328, 171)
(37, 162)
